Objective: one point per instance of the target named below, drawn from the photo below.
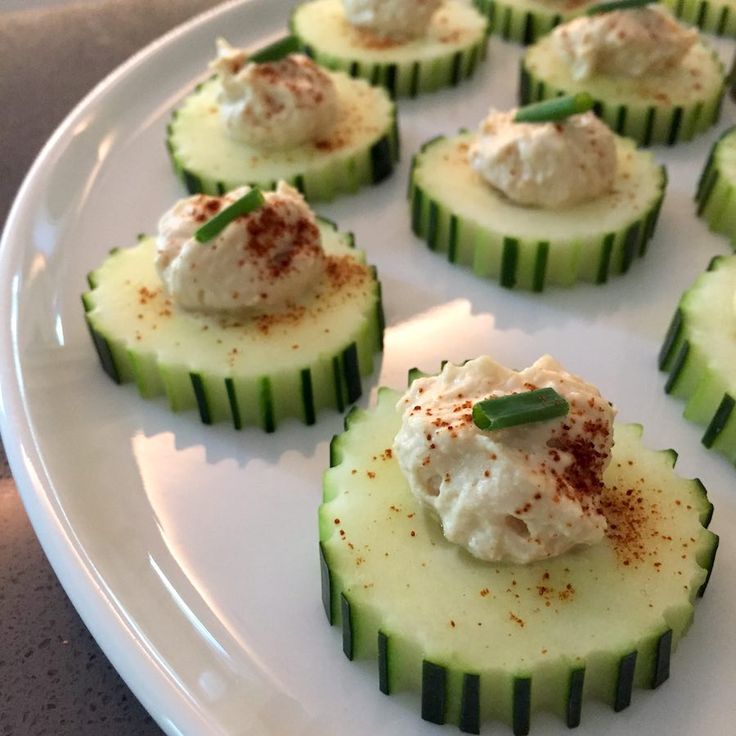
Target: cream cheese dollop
(519, 494)
(263, 261)
(276, 104)
(629, 43)
(398, 20)
(552, 165)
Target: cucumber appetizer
(652, 80)
(258, 123)
(484, 640)
(257, 313)
(526, 21)
(492, 201)
(699, 354)
(716, 195)
(408, 47)
(712, 16)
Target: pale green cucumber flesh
(481, 641)
(361, 148)
(716, 192)
(525, 21)
(712, 16)
(699, 353)
(459, 214)
(245, 370)
(448, 53)
(668, 107)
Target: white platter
(191, 551)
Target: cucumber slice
(669, 107)
(699, 353)
(713, 16)
(481, 641)
(247, 370)
(448, 53)
(716, 194)
(361, 149)
(526, 21)
(457, 213)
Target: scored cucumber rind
(716, 191)
(699, 359)
(389, 580)
(362, 148)
(459, 214)
(667, 108)
(249, 372)
(712, 16)
(404, 70)
(527, 21)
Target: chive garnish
(616, 5)
(500, 412)
(280, 48)
(243, 206)
(554, 109)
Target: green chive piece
(246, 204)
(280, 48)
(528, 407)
(554, 109)
(617, 5)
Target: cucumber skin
(450, 695)
(708, 402)
(646, 124)
(442, 230)
(373, 164)
(261, 401)
(404, 79)
(716, 193)
(522, 26)
(710, 16)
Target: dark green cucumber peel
(540, 266)
(522, 706)
(719, 420)
(574, 708)
(604, 264)
(200, 396)
(470, 704)
(383, 680)
(434, 692)
(509, 262)
(351, 370)
(326, 585)
(671, 340)
(708, 564)
(625, 681)
(662, 659)
(233, 401)
(347, 626)
(337, 378)
(677, 365)
(310, 415)
(265, 396)
(102, 346)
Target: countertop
(54, 679)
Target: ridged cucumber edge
(405, 79)
(711, 16)
(435, 676)
(381, 156)
(426, 215)
(715, 194)
(190, 389)
(516, 24)
(691, 378)
(646, 124)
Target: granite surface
(54, 679)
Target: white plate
(191, 551)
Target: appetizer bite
(246, 307)
(699, 353)
(541, 195)
(652, 79)
(283, 118)
(408, 46)
(716, 195)
(525, 21)
(488, 541)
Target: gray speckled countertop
(54, 679)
